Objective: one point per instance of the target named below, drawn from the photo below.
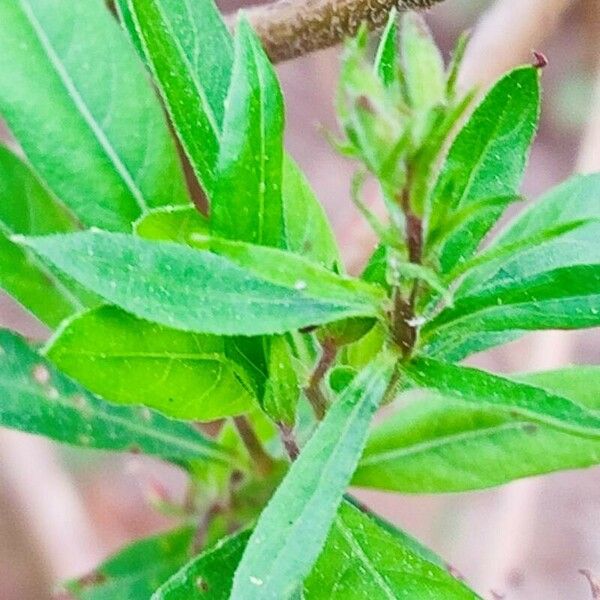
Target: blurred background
(62, 511)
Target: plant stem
(263, 462)
(403, 328)
(292, 28)
(289, 441)
(313, 390)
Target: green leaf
(282, 386)
(190, 53)
(558, 230)
(293, 527)
(173, 223)
(564, 298)
(486, 160)
(423, 64)
(361, 551)
(439, 444)
(129, 361)
(386, 58)
(75, 95)
(209, 575)
(37, 398)
(522, 281)
(363, 559)
(247, 203)
(27, 208)
(137, 570)
(307, 228)
(517, 399)
(195, 290)
(127, 22)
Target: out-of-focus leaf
(130, 361)
(440, 444)
(75, 95)
(137, 570)
(293, 527)
(199, 291)
(423, 64)
(486, 160)
(386, 58)
(36, 398)
(247, 202)
(190, 52)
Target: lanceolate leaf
(209, 575)
(190, 52)
(130, 361)
(74, 94)
(137, 570)
(195, 290)
(541, 272)
(294, 525)
(36, 398)
(386, 59)
(487, 160)
(515, 399)
(27, 208)
(439, 444)
(247, 203)
(362, 559)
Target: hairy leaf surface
(36, 398)
(130, 361)
(76, 97)
(293, 527)
(199, 291)
(439, 444)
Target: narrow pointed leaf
(293, 527)
(36, 398)
(199, 291)
(439, 444)
(137, 570)
(424, 73)
(190, 53)
(247, 203)
(517, 399)
(75, 95)
(487, 160)
(386, 59)
(130, 361)
(363, 557)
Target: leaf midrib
(81, 105)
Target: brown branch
(292, 28)
(264, 463)
(313, 390)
